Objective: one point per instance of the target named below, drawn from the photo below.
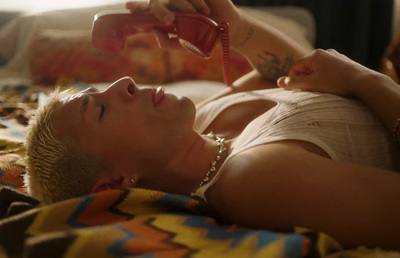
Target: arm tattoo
(272, 67)
(250, 33)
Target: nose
(124, 87)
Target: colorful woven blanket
(132, 222)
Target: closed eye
(102, 109)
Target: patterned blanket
(132, 222)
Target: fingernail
(205, 11)
(287, 80)
(169, 18)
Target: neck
(191, 163)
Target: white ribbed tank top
(344, 128)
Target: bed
(53, 48)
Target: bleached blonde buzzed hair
(57, 169)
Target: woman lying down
(260, 155)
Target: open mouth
(158, 96)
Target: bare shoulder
(278, 186)
(259, 179)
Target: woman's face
(125, 125)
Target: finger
(337, 54)
(304, 65)
(333, 51)
(301, 67)
(166, 42)
(283, 81)
(137, 6)
(184, 6)
(201, 6)
(297, 82)
(162, 12)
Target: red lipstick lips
(158, 96)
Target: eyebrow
(85, 101)
(84, 106)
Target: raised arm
(332, 72)
(270, 51)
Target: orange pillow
(69, 54)
(56, 55)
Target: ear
(104, 184)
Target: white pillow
(295, 22)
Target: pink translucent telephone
(195, 32)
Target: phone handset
(195, 32)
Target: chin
(179, 108)
(185, 102)
(187, 108)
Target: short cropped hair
(57, 169)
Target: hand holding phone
(195, 32)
